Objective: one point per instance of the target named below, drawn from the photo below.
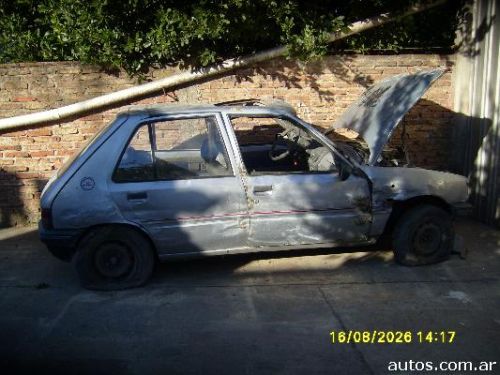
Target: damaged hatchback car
(173, 181)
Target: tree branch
(117, 97)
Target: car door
(294, 208)
(176, 179)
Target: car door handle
(263, 190)
(140, 196)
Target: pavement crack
(319, 284)
(353, 345)
(154, 285)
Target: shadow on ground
(260, 313)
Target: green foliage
(136, 35)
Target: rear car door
(176, 179)
(291, 205)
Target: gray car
(176, 181)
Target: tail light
(47, 218)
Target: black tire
(423, 235)
(114, 258)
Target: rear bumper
(60, 242)
(461, 209)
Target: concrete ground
(267, 313)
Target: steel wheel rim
(427, 239)
(113, 260)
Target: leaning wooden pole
(114, 98)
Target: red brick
(13, 168)
(44, 153)
(24, 99)
(9, 147)
(39, 132)
(28, 175)
(16, 154)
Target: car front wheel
(113, 258)
(423, 235)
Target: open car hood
(378, 111)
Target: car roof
(276, 107)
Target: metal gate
(477, 93)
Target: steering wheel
(291, 145)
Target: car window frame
(295, 122)
(177, 116)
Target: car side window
(178, 149)
(137, 163)
(273, 145)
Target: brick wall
(319, 91)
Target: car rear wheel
(423, 235)
(113, 258)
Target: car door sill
(244, 250)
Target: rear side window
(174, 150)
(137, 163)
